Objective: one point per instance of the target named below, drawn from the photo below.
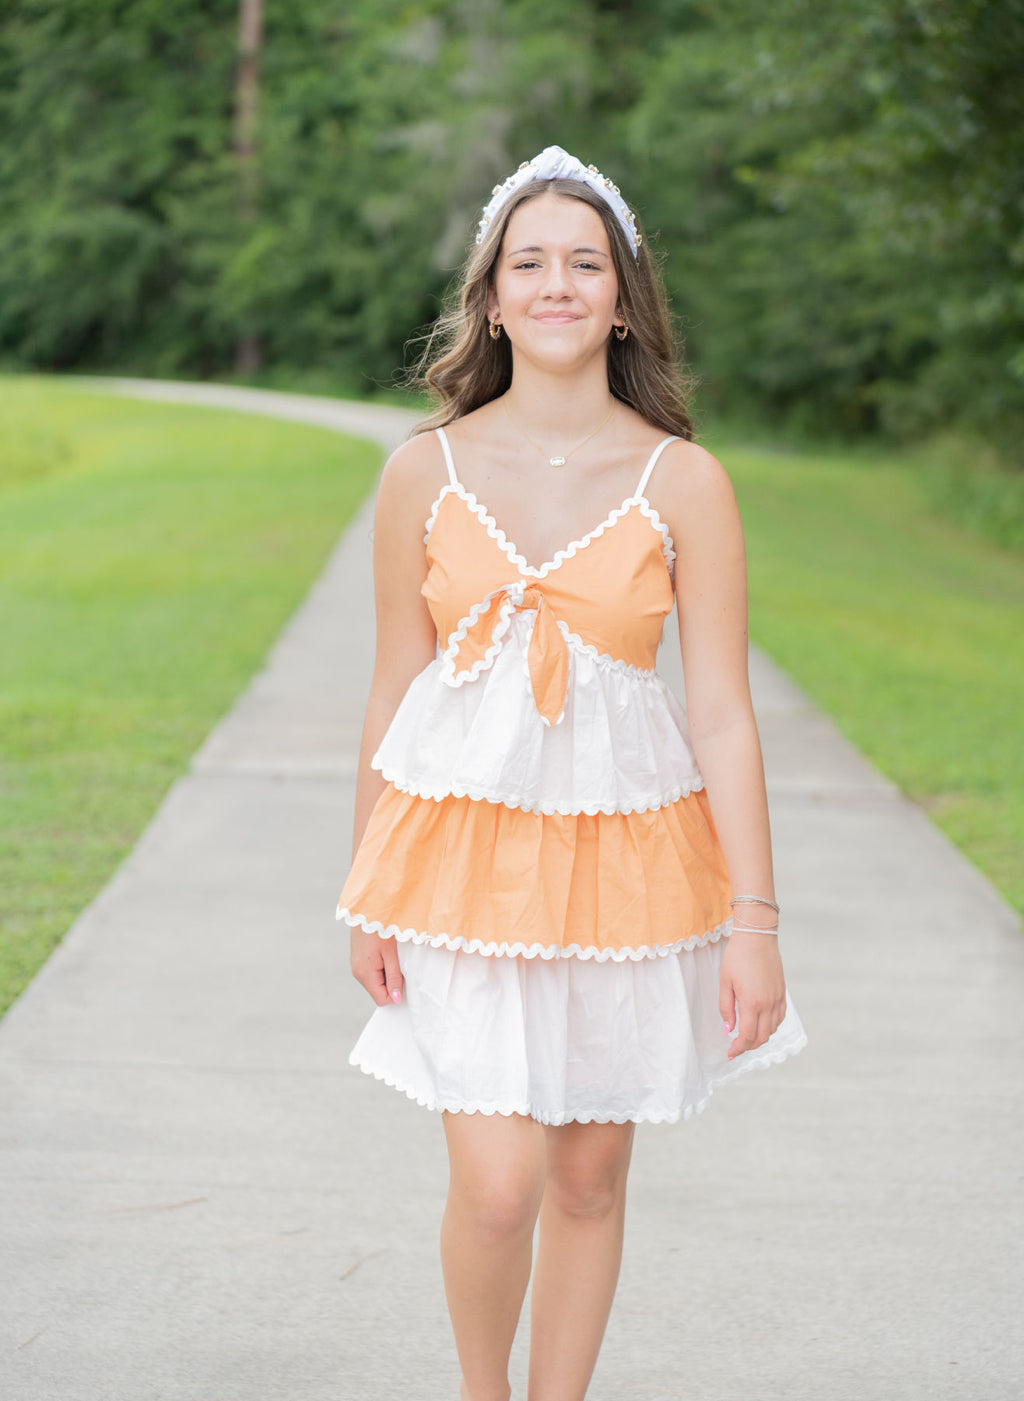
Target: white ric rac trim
(496, 533)
(536, 950)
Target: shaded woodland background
(838, 189)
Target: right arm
(406, 643)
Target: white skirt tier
(622, 745)
(561, 1039)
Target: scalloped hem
(687, 1110)
(477, 795)
(536, 950)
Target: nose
(557, 280)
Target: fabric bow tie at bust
(482, 634)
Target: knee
(498, 1209)
(589, 1190)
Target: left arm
(711, 598)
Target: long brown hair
(464, 368)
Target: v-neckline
(541, 571)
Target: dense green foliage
(148, 557)
(839, 188)
(861, 249)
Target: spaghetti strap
(652, 462)
(446, 449)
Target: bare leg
(578, 1256)
(497, 1181)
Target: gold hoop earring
(495, 330)
(621, 332)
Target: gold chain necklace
(558, 461)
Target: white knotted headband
(555, 164)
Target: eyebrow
(536, 248)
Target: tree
(839, 188)
(250, 37)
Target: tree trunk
(248, 353)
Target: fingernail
(396, 996)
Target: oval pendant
(557, 461)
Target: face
(555, 290)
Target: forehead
(552, 218)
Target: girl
(561, 898)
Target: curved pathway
(202, 1202)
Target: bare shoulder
(416, 464)
(690, 473)
(692, 490)
(412, 478)
(410, 483)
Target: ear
(618, 319)
(493, 309)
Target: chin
(562, 345)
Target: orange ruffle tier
(497, 880)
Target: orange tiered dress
(544, 852)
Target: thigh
(588, 1159)
(496, 1154)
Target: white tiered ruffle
(561, 1040)
(623, 746)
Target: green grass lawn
(149, 555)
(906, 628)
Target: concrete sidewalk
(202, 1202)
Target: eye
(526, 263)
(589, 267)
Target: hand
(375, 965)
(751, 989)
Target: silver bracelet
(754, 929)
(753, 900)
